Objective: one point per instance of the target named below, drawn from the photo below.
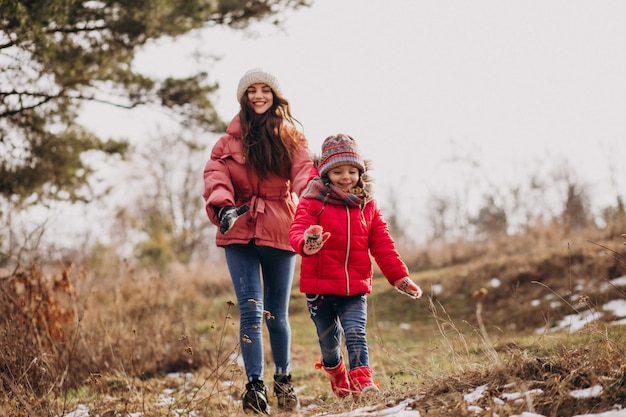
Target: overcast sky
(509, 86)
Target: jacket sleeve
(300, 167)
(383, 248)
(313, 173)
(300, 223)
(218, 186)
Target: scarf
(328, 193)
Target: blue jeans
(245, 264)
(336, 316)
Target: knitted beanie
(338, 150)
(253, 76)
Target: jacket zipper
(345, 264)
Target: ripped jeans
(256, 300)
(336, 316)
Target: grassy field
(116, 341)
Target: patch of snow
(436, 289)
(475, 409)
(405, 326)
(535, 303)
(494, 283)
(81, 411)
(165, 399)
(518, 395)
(237, 358)
(180, 376)
(618, 307)
(617, 282)
(475, 395)
(574, 322)
(593, 391)
(400, 410)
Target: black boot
(285, 395)
(254, 400)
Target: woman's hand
(228, 215)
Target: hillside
(517, 327)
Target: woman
(249, 182)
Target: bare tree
(166, 214)
(491, 220)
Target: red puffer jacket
(343, 266)
(228, 181)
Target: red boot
(338, 378)
(362, 381)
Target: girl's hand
(408, 287)
(314, 239)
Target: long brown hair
(268, 143)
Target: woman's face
(344, 176)
(260, 97)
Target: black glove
(228, 215)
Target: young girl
(337, 225)
(249, 182)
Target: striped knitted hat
(338, 150)
(256, 75)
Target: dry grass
(120, 341)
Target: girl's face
(344, 176)
(260, 97)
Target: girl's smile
(344, 176)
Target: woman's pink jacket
(343, 266)
(228, 181)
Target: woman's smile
(260, 97)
